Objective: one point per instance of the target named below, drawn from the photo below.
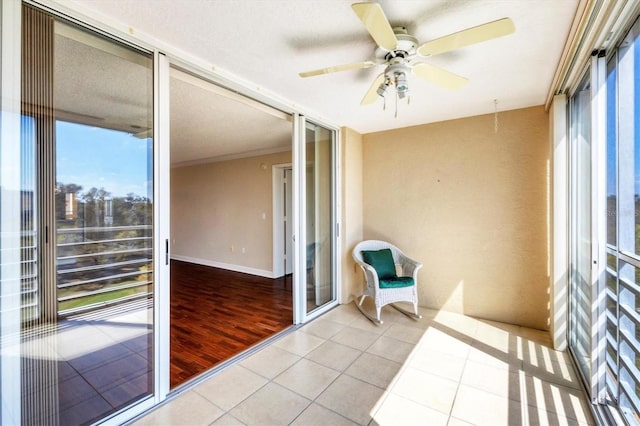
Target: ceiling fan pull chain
(396, 114)
(384, 103)
(495, 116)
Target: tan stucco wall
(351, 229)
(472, 205)
(218, 205)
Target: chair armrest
(409, 266)
(370, 275)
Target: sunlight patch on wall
(455, 302)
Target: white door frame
(278, 200)
(162, 220)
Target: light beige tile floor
(446, 369)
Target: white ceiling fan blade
(337, 68)
(376, 22)
(439, 76)
(372, 94)
(463, 38)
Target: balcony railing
(100, 266)
(29, 283)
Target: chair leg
(415, 316)
(370, 317)
(378, 309)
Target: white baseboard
(227, 266)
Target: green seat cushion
(396, 282)
(382, 262)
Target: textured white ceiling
(268, 42)
(88, 85)
(208, 124)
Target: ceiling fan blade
(372, 94)
(472, 35)
(439, 76)
(337, 68)
(376, 22)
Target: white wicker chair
(386, 296)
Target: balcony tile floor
(446, 369)
(93, 364)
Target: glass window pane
(628, 147)
(628, 121)
(629, 337)
(612, 284)
(611, 351)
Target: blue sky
(102, 158)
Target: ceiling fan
(401, 53)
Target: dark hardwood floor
(216, 314)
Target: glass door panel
(87, 184)
(319, 216)
(580, 281)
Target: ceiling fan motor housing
(398, 62)
(406, 47)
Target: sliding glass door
(86, 175)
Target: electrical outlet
(232, 248)
(244, 250)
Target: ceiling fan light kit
(402, 54)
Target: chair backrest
(374, 245)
